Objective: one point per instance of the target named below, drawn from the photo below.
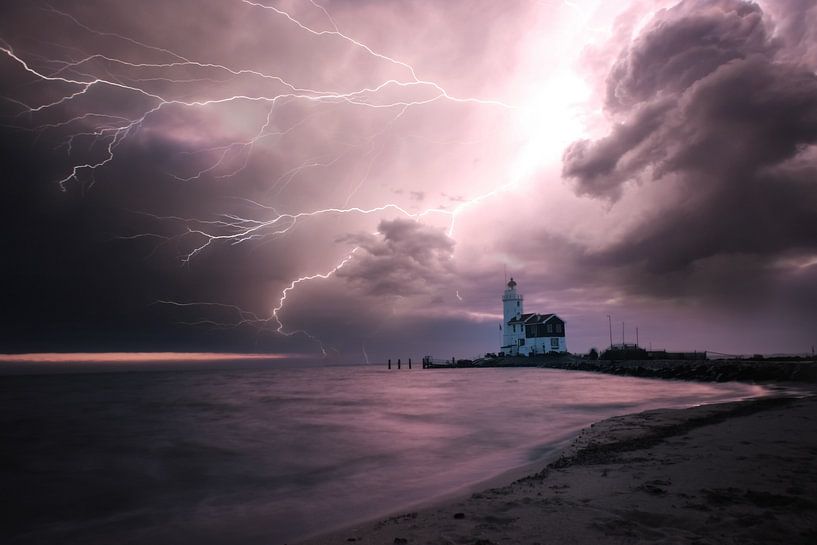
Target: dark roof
(539, 319)
(521, 319)
(531, 319)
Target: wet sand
(743, 472)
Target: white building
(527, 334)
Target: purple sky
(354, 177)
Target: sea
(268, 454)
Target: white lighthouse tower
(511, 308)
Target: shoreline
(657, 448)
(513, 474)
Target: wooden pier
(432, 363)
(399, 363)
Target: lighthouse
(511, 308)
(529, 334)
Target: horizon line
(112, 357)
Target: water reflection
(269, 455)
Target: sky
(353, 180)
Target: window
(517, 303)
(558, 328)
(521, 342)
(550, 328)
(554, 343)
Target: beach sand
(743, 472)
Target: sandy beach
(743, 472)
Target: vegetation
(626, 352)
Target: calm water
(269, 455)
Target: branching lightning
(109, 131)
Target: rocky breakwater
(700, 370)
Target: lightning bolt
(291, 287)
(112, 131)
(238, 230)
(415, 80)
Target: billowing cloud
(707, 102)
(682, 45)
(404, 258)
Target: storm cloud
(707, 101)
(351, 178)
(404, 258)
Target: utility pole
(636, 337)
(610, 322)
(622, 334)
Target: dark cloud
(684, 44)
(708, 104)
(712, 112)
(603, 166)
(404, 258)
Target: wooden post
(389, 364)
(453, 362)
(409, 363)
(398, 363)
